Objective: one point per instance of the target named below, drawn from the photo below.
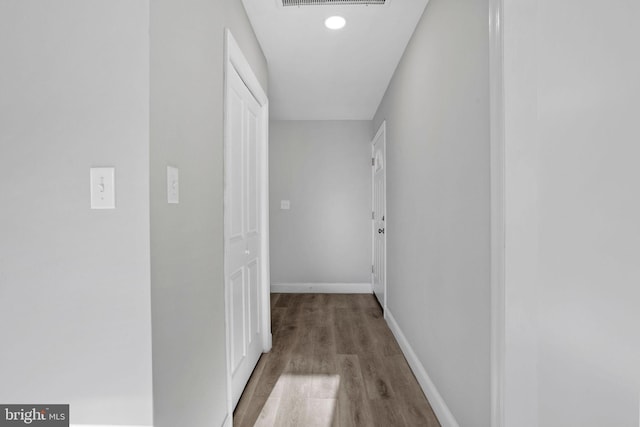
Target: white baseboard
(322, 288)
(227, 421)
(435, 399)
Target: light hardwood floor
(334, 362)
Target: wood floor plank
(283, 300)
(270, 382)
(366, 301)
(363, 340)
(297, 375)
(382, 337)
(354, 405)
(325, 300)
(311, 315)
(416, 409)
(274, 299)
(376, 381)
(277, 318)
(304, 342)
(388, 413)
(293, 314)
(344, 332)
(261, 411)
(340, 300)
(247, 403)
(285, 339)
(373, 312)
(324, 340)
(325, 379)
(267, 416)
(334, 363)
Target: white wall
(438, 192)
(324, 169)
(74, 282)
(187, 41)
(572, 97)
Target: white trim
(322, 288)
(438, 404)
(497, 147)
(233, 57)
(264, 224)
(228, 421)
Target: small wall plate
(103, 188)
(173, 185)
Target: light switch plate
(173, 185)
(103, 188)
(285, 204)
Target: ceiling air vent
(328, 2)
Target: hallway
(510, 225)
(334, 362)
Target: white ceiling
(320, 74)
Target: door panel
(234, 167)
(242, 238)
(238, 343)
(253, 311)
(252, 171)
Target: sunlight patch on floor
(301, 399)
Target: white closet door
(242, 230)
(379, 216)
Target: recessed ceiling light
(335, 22)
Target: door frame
(234, 58)
(382, 132)
(498, 213)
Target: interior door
(242, 230)
(379, 277)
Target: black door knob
(380, 230)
